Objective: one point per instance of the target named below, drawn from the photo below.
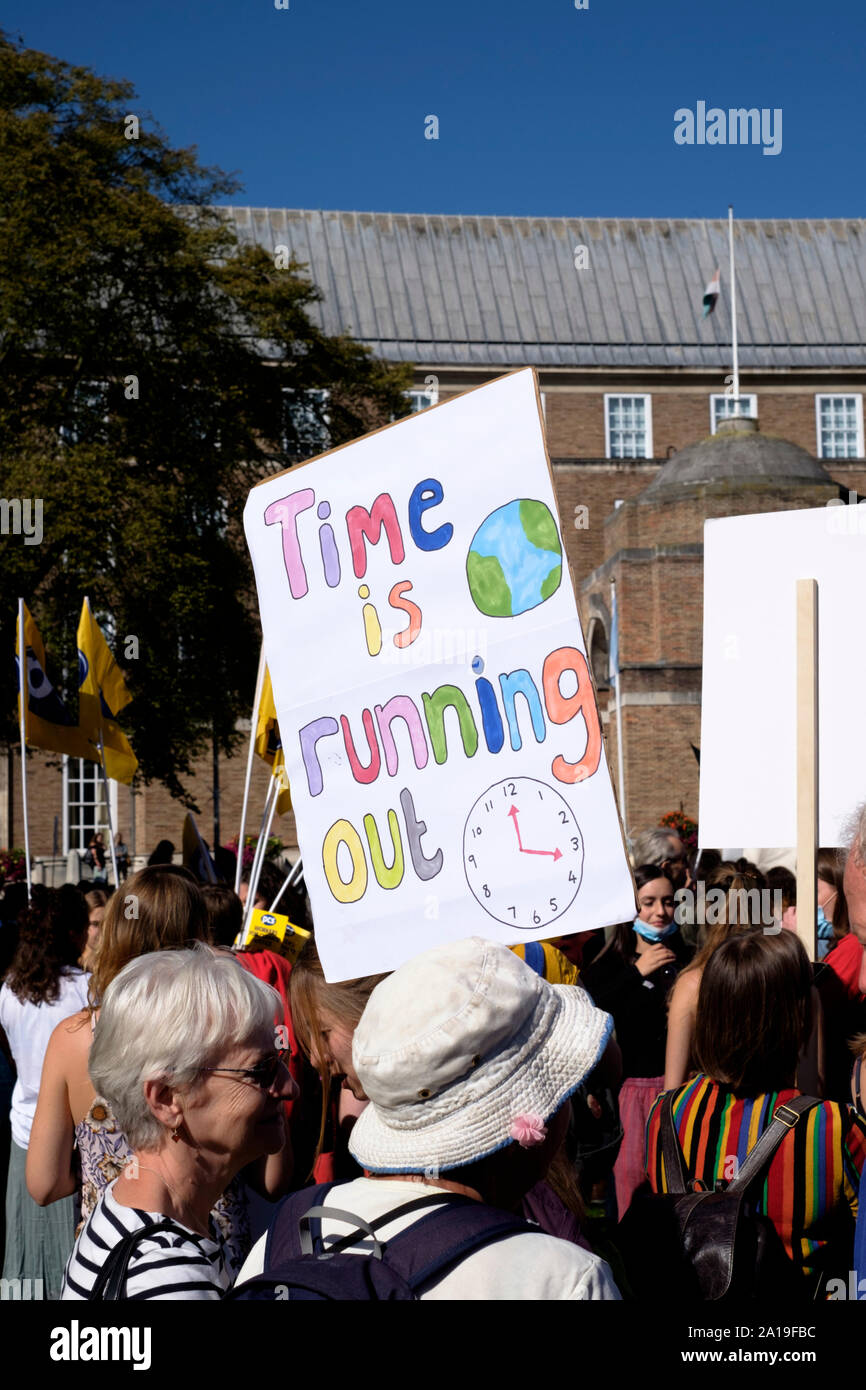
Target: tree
(151, 370)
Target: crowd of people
(191, 1120)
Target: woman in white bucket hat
(468, 1057)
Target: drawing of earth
(515, 559)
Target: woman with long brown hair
(631, 979)
(160, 908)
(731, 912)
(43, 985)
(753, 1020)
(156, 909)
(325, 1017)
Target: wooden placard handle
(807, 762)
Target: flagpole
(290, 878)
(23, 697)
(250, 755)
(736, 363)
(261, 847)
(108, 808)
(618, 708)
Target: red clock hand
(554, 853)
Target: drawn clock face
(523, 853)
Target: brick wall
(157, 816)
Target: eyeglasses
(263, 1074)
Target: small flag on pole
(47, 722)
(102, 695)
(269, 745)
(711, 294)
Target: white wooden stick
(24, 689)
(259, 856)
(250, 755)
(290, 878)
(807, 762)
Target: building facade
(608, 311)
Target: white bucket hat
(459, 1045)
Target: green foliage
(116, 269)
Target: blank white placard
(748, 719)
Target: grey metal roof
(504, 291)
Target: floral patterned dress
(104, 1152)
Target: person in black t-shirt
(630, 979)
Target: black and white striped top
(167, 1265)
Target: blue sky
(543, 109)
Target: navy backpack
(298, 1266)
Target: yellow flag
(268, 744)
(47, 722)
(267, 729)
(284, 795)
(102, 695)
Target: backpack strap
(110, 1281)
(427, 1249)
(676, 1176)
(784, 1118)
(336, 1247)
(285, 1222)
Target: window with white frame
(723, 407)
(305, 421)
(840, 426)
(84, 810)
(628, 427)
(420, 397)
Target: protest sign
(437, 714)
(749, 702)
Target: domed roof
(737, 454)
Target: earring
(175, 1133)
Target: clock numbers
(532, 853)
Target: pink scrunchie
(528, 1130)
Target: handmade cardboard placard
(749, 792)
(438, 717)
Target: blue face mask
(649, 934)
(825, 928)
